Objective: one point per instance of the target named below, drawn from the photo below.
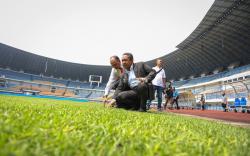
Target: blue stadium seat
(240, 104)
(237, 102)
(243, 101)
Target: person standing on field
(159, 83)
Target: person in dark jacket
(168, 96)
(133, 89)
(202, 102)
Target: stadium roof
(19, 60)
(220, 10)
(222, 39)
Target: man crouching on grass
(133, 89)
(114, 77)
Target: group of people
(135, 84)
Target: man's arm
(164, 78)
(151, 73)
(164, 82)
(122, 85)
(112, 79)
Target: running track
(226, 116)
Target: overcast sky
(90, 31)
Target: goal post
(95, 79)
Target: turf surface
(31, 126)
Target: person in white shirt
(115, 75)
(159, 82)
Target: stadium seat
(237, 102)
(243, 101)
(240, 104)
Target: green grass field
(31, 126)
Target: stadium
(54, 107)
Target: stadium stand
(211, 77)
(217, 49)
(23, 82)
